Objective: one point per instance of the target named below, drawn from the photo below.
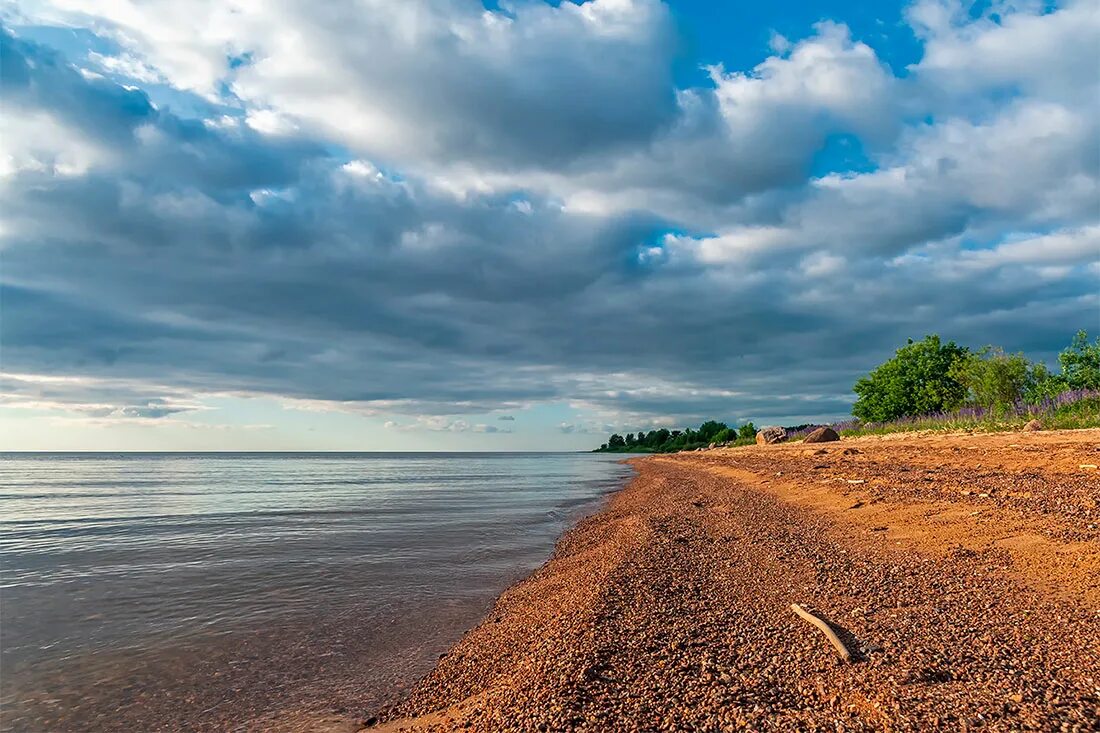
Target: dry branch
(825, 629)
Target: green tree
(1045, 385)
(998, 380)
(746, 432)
(918, 380)
(616, 441)
(1081, 363)
(725, 435)
(708, 430)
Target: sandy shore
(963, 572)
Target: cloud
(422, 80)
(518, 207)
(1036, 54)
(84, 397)
(440, 424)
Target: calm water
(130, 581)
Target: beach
(962, 573)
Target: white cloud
(126, 65)
(1050, 55)
(39, 142)
(270, 122)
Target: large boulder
(771, 434)
(821, 435)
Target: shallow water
(202, 590)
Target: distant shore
(963, 573)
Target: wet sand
(963, 573)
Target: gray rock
(770, 434)
(1033, 426)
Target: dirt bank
(962, 572)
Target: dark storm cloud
(149, 258)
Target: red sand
(962, 571)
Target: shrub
(1080, 363)
(997, 380)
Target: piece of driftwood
(825, 629)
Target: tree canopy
(920, 379)
(929, 376)
(997, 380)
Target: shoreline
(963, 571)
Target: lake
(201, 591)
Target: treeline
(671, 441)
(928, 377)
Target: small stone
(1033, 426)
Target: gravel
(671, 610)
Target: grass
(1070, 410)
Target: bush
(998, 380)
(1081, 363)
(918, 380)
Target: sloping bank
(961, 571)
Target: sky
(461, 225)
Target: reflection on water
(129, 581)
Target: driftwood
(825, 629)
